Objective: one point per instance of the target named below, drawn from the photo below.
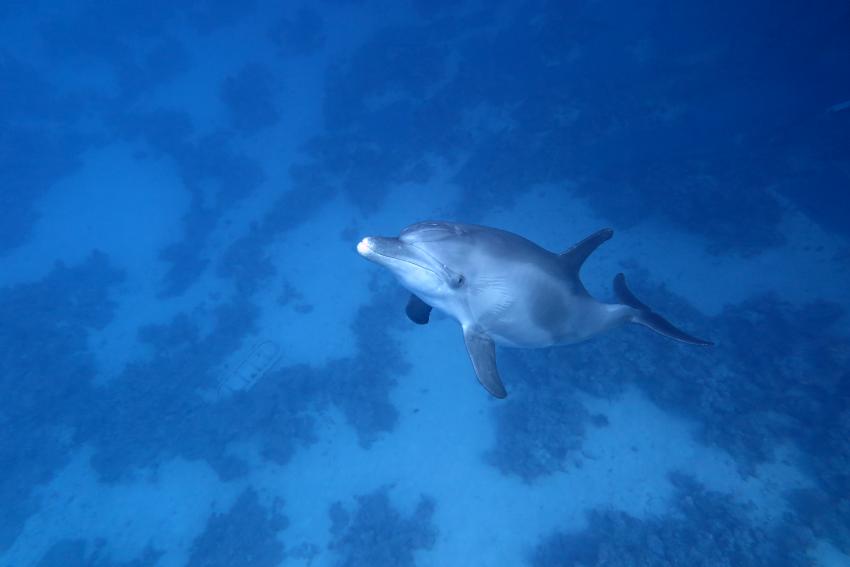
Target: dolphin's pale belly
(521, 336)
(525, 326)
(542, 311)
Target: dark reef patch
(137, 45)
(778, 375)
(281, 409)
(245, 260)
(539, 428)
(217, 177)
(122, 33)
(250, 98)
(46, 372)
(302, 34)
(79, 553)
(245, 535)
(40, 144)
(121, 53)
(635, 119)
(166, 410)
(159, 408)
(705, 529)
(154, 409)
(360, 386)
(373, 100)
(377, 534)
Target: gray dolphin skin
(506, 290)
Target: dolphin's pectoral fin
(647, 317)
(417, 310)
(482, 352)
(575, 256)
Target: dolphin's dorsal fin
(575, 256)
(482, 352)
(417, 310)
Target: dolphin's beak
(364, 247)
(398, 256)
(370, 247)
(389, 251)
(380, 249)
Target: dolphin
(504, 289)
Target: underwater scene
(416, 282)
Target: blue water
(197, 368)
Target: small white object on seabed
(259, 361)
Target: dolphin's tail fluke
(647, 317)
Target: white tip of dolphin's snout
(364, 246)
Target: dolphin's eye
(458, 281)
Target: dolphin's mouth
(407, 253)
(369, 247)
(406, 261)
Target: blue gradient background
(196, 368)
